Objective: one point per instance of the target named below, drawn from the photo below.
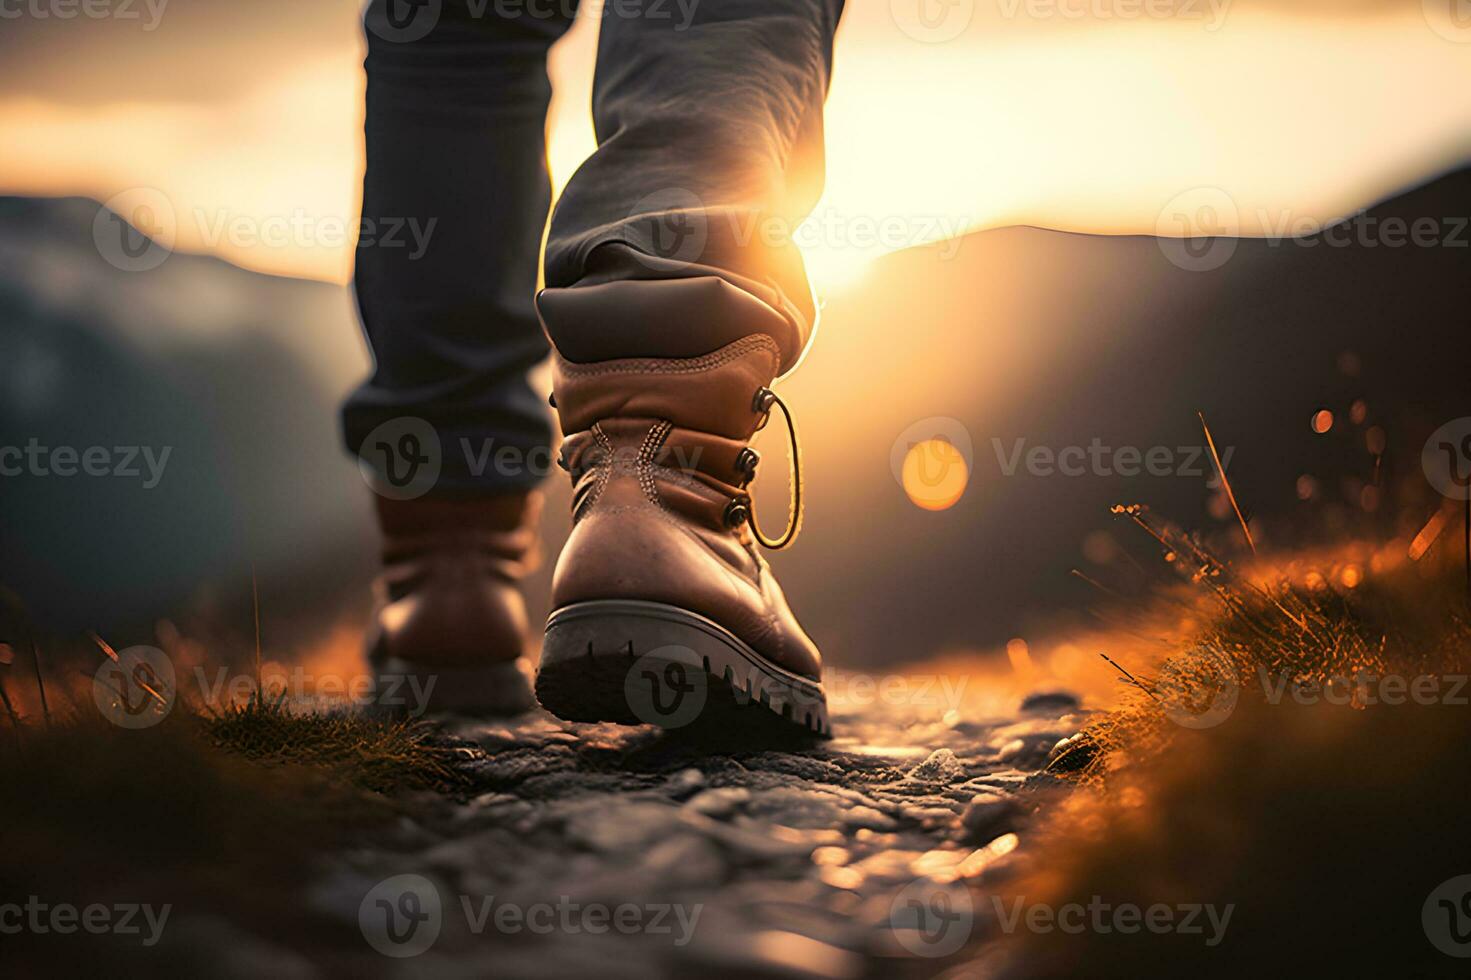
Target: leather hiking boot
(450, 630)
(664, 610)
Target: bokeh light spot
(1020, 655)
(935, 474)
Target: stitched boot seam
(694, 365)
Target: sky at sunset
(1091, 115)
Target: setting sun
(1027, 124)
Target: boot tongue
(713, 393)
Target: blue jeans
(708, 117)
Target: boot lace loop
(763, 402)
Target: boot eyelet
(736, 514)
(762, 402)
(745, 463)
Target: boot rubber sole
(632, 662)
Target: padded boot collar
(711, 393)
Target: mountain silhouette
(1024, 337)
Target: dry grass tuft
(377, 754)
(1322, 813)
(1264, 639)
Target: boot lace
(763, 402)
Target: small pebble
(987, 816)
(940, 767)
(1050, 703)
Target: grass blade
(1230, 494)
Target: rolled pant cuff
(633, 304)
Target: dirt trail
(613, 851)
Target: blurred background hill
(1017, 333)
